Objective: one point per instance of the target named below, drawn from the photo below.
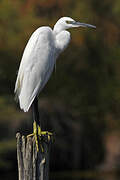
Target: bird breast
(62, 41)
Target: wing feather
(36, 66)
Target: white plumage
(37, 61)
(39, 58)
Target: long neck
(57, 28)
(62, 40)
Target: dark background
(81, 101)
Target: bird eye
(68, 22)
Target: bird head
(67, 22)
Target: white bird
(38, 60)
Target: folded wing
(36, 66)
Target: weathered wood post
(32, 165)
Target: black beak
(79, 24)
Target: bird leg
(37, 132)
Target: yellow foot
(37, 133)
(36, 141)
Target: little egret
(37, 64)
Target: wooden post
(32, 165)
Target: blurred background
(81, 101)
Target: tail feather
(25, 103)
